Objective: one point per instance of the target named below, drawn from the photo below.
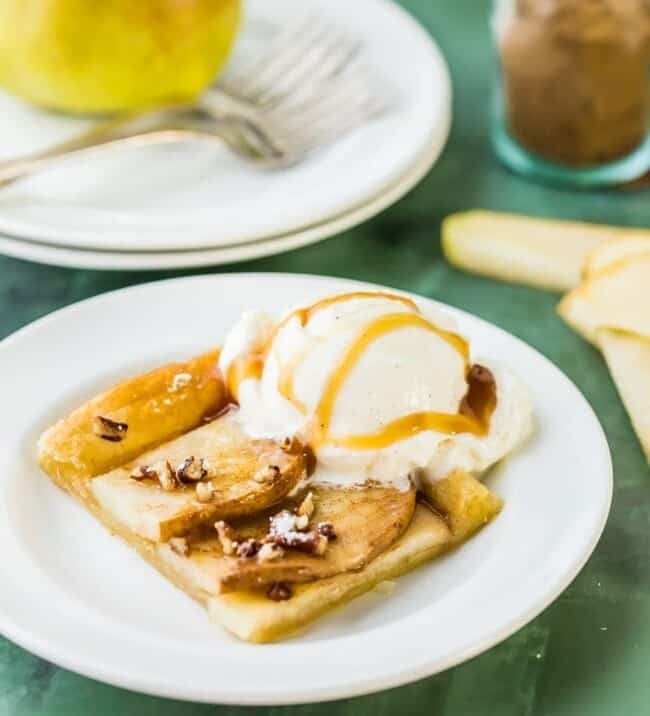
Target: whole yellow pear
(100, 56)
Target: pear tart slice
(224, 517)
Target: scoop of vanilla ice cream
(400, 372)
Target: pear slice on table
(604, 256)
(537, 252)
(366, 521)
(616, 297)
(628, 359)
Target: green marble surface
(589, 653)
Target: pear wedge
(628, 359)
(616, 297)
(251, 616)
(155, 407)
(606, 255)
(366, 522)
(145, 509)
(544, 253)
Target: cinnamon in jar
(575, 76)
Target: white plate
(81, 599)
(196, 195)
(156, 260)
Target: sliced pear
(251, 616)
(537, 252)
(616, 297)
(628, 359)
(155, 407)
(366, 522)
(144, 508)
(606, 255)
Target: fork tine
(321, 63)
(281, 41)
(329, 123)
(286, 50)
(349, 88)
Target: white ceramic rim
(55, 255)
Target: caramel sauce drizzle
(474, 412)
(252, 364)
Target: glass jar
(574, 94)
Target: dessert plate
(110, 616)
(198, 196)
(151, 260)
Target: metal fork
(307, 90)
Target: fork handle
(134, 130)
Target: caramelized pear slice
(251, 615)
(150, 409)
(237, 471)
(366, 521)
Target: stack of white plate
(196, 204)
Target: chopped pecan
(279, 592)
(144, 472)
(249, 548)
(205, 492)
(166, 476)
(327, 530)
(267, 474)
(226, 537)
(309, 542)
(180, 546)
(269, 551)
(191, 470)
(306, 506)
(291, 444)
(110, 430)
(160, 471)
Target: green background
(589, 653)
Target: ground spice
(575, 76)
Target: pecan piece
(306, 506)
(267, 474)
(165, 475)
(226, 537)
(269, 551)
(279, 592)
(110, 430)
(160, 471)
(205, 492)
(327, 530)
(190, 470)
(144, 472)
(180, 546)
(248, 549)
